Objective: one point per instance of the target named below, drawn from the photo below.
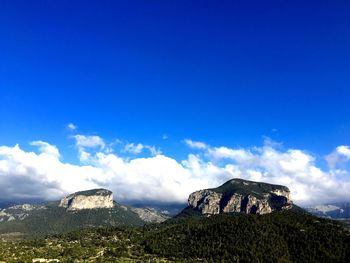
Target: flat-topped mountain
(91, 199)
(92, 208)
(238, 195)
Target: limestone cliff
(92, 199)
(244, 196)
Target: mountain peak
(238, 195)
(90, 199)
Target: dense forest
(286, 236)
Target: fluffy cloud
(161, 178)
(39, 175)
(340, 155)
(46, 148)
(86, 143)
(93, 141)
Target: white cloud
(93, 141)
(133, 148)
(162, 178)
(153, 150)
(71, 127)
(340, 155)
(239, 155)
(46, 148)
(195, 144)
(139, 147)
(86, 143)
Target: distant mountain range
(339, 211)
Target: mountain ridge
(243, 196)
(92, 208)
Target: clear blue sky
(223, 72)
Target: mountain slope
(283, 236)
(72, 213)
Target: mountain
(93, 208)
(339, 211)
(238, 195)
(91, 199)
(275, 231)
(284, 236)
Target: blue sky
(227, 74)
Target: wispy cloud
(195, 144)
(139, 147)
(133, 148)
(71, 127)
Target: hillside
(284, 236)
(93, 208)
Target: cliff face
(244, 196)
(92, 199)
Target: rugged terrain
(91, 199)
(238, 195)
(219, 225)
(285, 236)
(93, 208)
(340, 211)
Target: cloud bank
(160, 178)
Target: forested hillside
(277, 237)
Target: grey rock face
(242, 196)
(150, 215)
(336, 211)
(19, 212)
(92, 199)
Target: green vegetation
(56, 219)
(286, 236)
(245, 187)
(99, 191)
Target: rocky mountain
(93, 208)
(339, 211)
(150, 215)
(19, 212)
(238, 195)
(92, 199)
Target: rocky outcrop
(150, 215)
(92, 199)
(19, 212)
(242, 196)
